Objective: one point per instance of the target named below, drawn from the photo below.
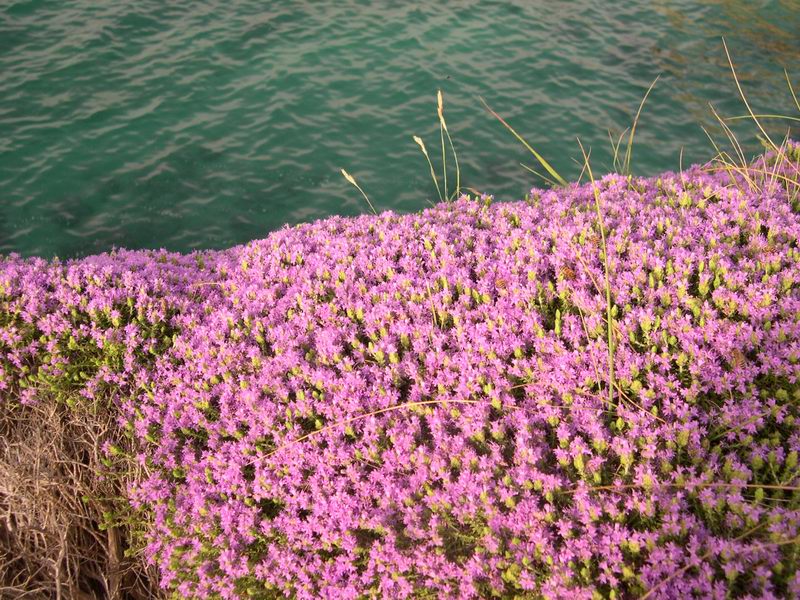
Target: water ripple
(187, 125)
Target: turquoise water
(201, 125)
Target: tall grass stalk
(629, 149)
(423, 403)
(609, 317)
(791, 89)
(457, 192)
(440, 112)
(340, 423)
(744, 99)
(583, 165)
(780, 151)
(782, 117)
(433, 311)
(737, 147)
(545, 178)
(755, 178)
(617, 166)
(443, 131)
(588, 340)
(727, 163)
(443, 127)
(421, 145)
(553, 173)
(352, 180)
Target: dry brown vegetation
(65, 525)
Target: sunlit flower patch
(420, 406)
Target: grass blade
(440, 111)
(785, 117)
(791, 89)
(536, 155)
(457, 191)
(443, 128)
(629, 150)
(538, 174)
(744, 98)
(609, 318)
(350, 178)
(615, 148)
(421, 145)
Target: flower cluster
(422, 405)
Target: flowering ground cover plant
(426, 406)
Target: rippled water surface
(205, 124)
